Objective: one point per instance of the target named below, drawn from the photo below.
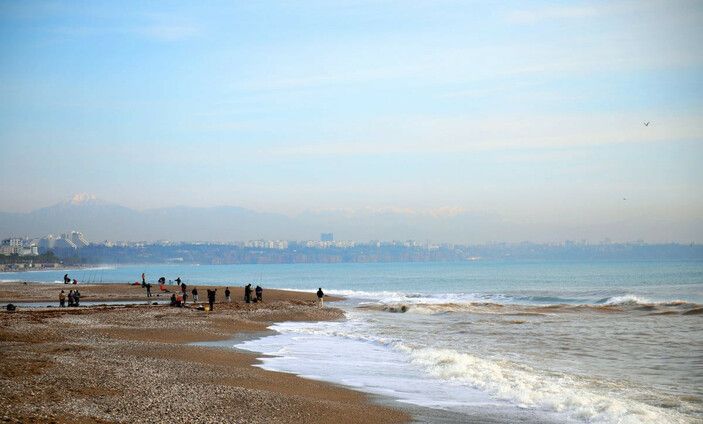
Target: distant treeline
(45, 258)
(298, 253)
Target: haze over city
(506, 121)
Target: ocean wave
(626, 304)
(627, 299)
(21, 280)
(333, 329)
(438, 303)
(580, 397)
(576, 396)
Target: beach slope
(137, 364)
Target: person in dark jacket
(320, 295)
(228, 295)
(211, 298)
(247, 293)
(259, 293)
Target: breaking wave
(580, 397)
(626, 303)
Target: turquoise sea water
(540, 282)
(567, 341)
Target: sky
(527, 110)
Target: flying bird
(646, 124)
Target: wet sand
(135, 363)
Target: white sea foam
(628, 299)
(577, 397)
(447, 302)
(333, 352)
(15, 280)
(527, 387)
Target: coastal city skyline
(226, 224)
(539, 121)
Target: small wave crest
(621, 304)
(579, 397)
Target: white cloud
(551, 13)
(428, 135)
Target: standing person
(70, 298)
(66, 279)
(183, 288)
(259, 293)
(247, 293)
(195, 294)
(148, 290)
(320, 295)
(143, 280)
(62, 299)
(211, 298)
(227, 295)
(185, 297)
(77, 297)
(178, 281)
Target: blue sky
(532, 111)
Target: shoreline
(139, 364)
(28, 291)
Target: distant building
(18, 246)
(47, 243)
(64, 243)
(30, 250)
(326, 237)
(77, 238)
(11, 246)
(267, 244)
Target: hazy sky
(532, 111)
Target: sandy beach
(137, 364)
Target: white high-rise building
(78, 239)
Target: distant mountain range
(100, 220)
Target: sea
(533, 341)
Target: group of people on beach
(247, 294)
(74, 298)
(180, 298)
(67, 279)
